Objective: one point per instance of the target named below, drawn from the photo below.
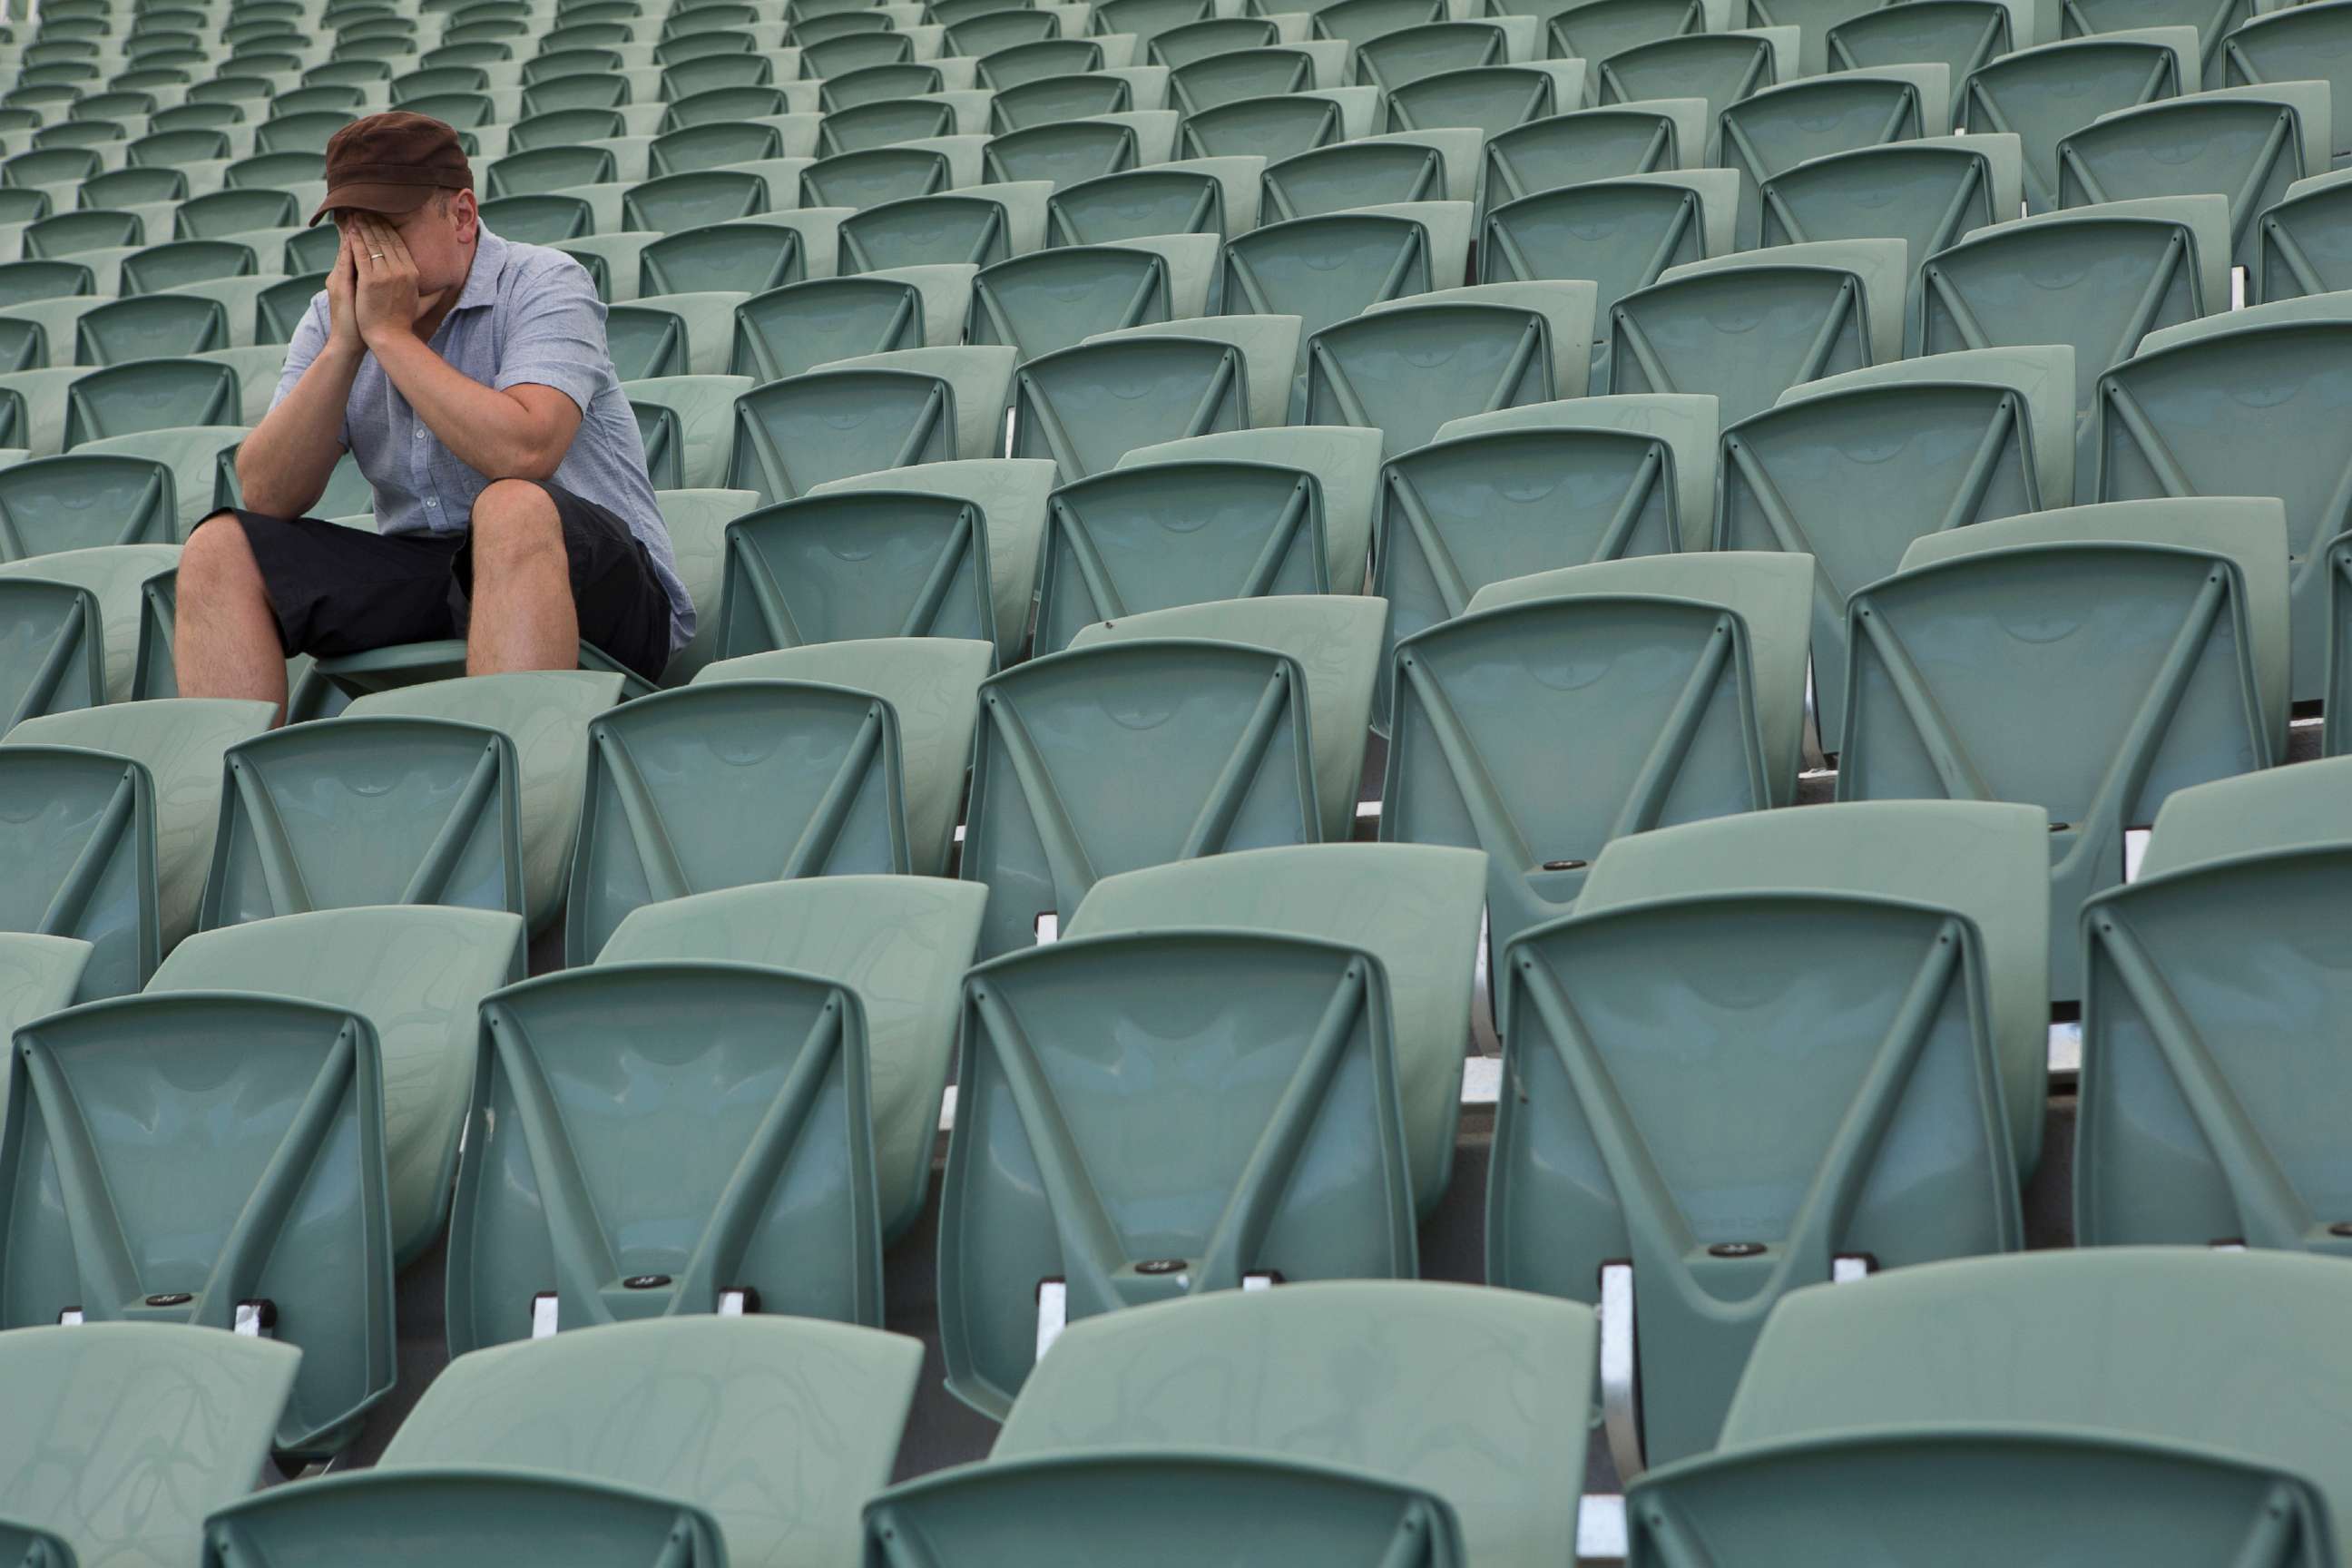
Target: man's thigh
(621, 607)
(337, 590)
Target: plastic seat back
(677, 201)
(1397, 59)
(844, 565)
(880, 411)
(153, 394)
(1750, 326)
(379, 1519)
(2043, 94)
(81, 502)
(773, 768)
(791, 329)
(1050, 99)
(1072, 149)
(1485, 1400)
(2306, 43)
(1852, 469)
(1700, 696)
(1772, 132)
(862, 180)
(1278, 125)
(1584, 144)
(1959, 33)
(1492, 99)
(151, 326)
(1900, 927)
(1086, 406)
(1595, 30)
(262, 1198)
(1326, 269)
(2157, 436)
(1084, 1153)
(1051, 300)
(2303, 244)
(1422, 166)
(2090, 661)
(52, 647)
(110, 1405)
(2248, 144)
(880, 124)
(686, 424)
(452, 792)
(1021, 63)
(1205, 196)
(736, 258)
(1721, 67)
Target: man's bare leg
(523, 616)
(224, 636)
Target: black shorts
(337, 590)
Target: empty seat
(1851, 969)
(1937, 1346)
(1493, 98)
(2043, 94)
(1528, 489)
(1646, 138)
(1375, 171)
(418, 975)
(260, 1204)
(1069, 151)
(2298, 44)
(1281, 124)
(1595, 30)
(168, 1414)
(1775, 129)
(794, 328)
(2089, 661)
(512, 1450)
(1483, 1402)
(2303, 243)
(877, 410)
(2247, 143)
(82, 501)
(1406, 366)
(542, 218)
(900, 943)
(1721, 67)
(861, 180)
(880, 124)
(72, 621)
(1229, 515)
(2170, 424)
(686, 424)
(1325, 269)
(1747, 327)
(1696, 711)
(1085, 407)
(1055, 298)
(1851, 469)
(748, 257)
(462, 792)
(152, 326)
(835, 757)
(1622, 233)
(1959, 33)
(977, 226)
(671, 334)
(112, 812)
(1394, 60)
(2098, 278)
(1048, 98)
(154, 394)
(1197, 195)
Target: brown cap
(392, 163)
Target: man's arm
(283, 465)
(517, 432)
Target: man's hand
(343, 288)
(388, 300)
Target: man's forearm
(283, 465)
(491, 433)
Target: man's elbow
(535, 456)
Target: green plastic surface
(1393, 61)
(1854, 990)
(1069, 151)
(462, 792)
(1415, 909)
(1405, 367)
(2303, 244)
(1326, 269)
(1374, 171)
(113, 828)
(1057, 98)
(1721, 67)
(82, 501)
(977, 226)
(687, 425)
(2295, 44)
(1482, 1396)
(2166, 427)
(862, 180)
(1166, 1510)
(1180, 197)
(1155, 1115)
(2277, 809)
(2183, 1333)
(1774, 129)
(1852, 468)
(1277, 125)
(791, 329)
(1682, 675)
(1524, 490)
(749, 257)
(174, 1416)
(1646, 138)
(38, 974)
(2248, 143)
(1056, 298)
(151, 326)
(1928, 191)
(1748, 326)
(1595, 30)
(836, 757)
(418, 975)
(2044, 94)
(1941, 1497)
(152, 396)
(857, 415)
(1087, 406)
(170, 1158)
(1492, 99)
(882, 124)
(1961, 34)
(2089, 661)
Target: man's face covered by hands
(433, 244)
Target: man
(470, 379)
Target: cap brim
(391, 200)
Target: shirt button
(420, 435)
(429, 502)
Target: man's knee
(515, 526)
(217, 562)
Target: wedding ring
(375, 255)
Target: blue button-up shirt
(527, 314)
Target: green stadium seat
(1960, 34)
(1054, 299)
(1213, 706)
(1065, 152)
(548, 171)
(112, 1406)
(977, 226)
(896, 173)
(112, 815)
(512, 1450)
(418, 975)
(1851, 469)
(153, 394)
(1584, 144)
(83, 501)
(864, 564)
(1528, 489)
(1721, 67)
(1375, 171)
(1087, 406)
(1393, 61)
(183, 261)
(1484, 1401)
(75, 234)
(2043, 94)
(1055, 98)
(882, 84)
(841, 55)
(877, 410)
(1677, 640)
(1220, 78)
(22, 282)
(1208, 35)
(1232, 516)
(990, 31)
(792, 330)
(150, 326)
(2295, 44)
(2303, 243)
(1493, 98)
(1024, 63)
(889, 120)
(827, 758)
(1748, 326)
(481, 814)
(1197, 195)
(686, 424)
(2178, 679)
(2247, 143)
(132, 187)
(1280, 125)
(545, 217)
(1774, 129)
(1326, 269)
(64, 645)
(1407, 366)
(1886, 976)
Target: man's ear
(467, 213)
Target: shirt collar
(489, 263)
